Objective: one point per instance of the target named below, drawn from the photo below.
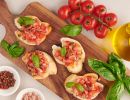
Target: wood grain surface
(55, 82)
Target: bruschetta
(83, 87)
(39, 64)
(31, 30)
(71, 54)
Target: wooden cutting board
(55, 82)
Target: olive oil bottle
(119, 41)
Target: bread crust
(77, 67)
(49, 29)
(51, 69)
(73, 77)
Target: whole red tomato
(77, 18)
(87, 6)
(100, 31)
(89, 23)
(74, 4)
(100, 10)
(64, 12)
(110, 19)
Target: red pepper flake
(6, 80)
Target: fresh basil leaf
(36, 60)
(63, 51)
(126, 81)
(16, 52)
(79, 87)
(25, 21)
(70, 84)
(117, 70)
(71, 30)
(117, 64)
(102, 69)
(15, 44)
(5, 45)
(115, 91)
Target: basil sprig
(36, 60)
(70, 84)
(5, 45)
(118, 64)
(113, 70)
(25, 21)
(14, 50)
(126, 81)
(78, 86)
(71, 30)
(63, 51)
(101, 68)
(115, 91)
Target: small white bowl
(11, 90)
(24, 91)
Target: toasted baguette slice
(73, 77)
(77, 66)
(19, 32)
(51, 69)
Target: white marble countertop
(120, 7)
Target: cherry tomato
(87, 6)
(74, 4)
(89, 23)
(77, 18)
(110, 19)
(64, 12)
(100, 10)
(100, 31)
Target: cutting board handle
(4, 11)
(6, 18)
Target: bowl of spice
(9, 80)
(30, 94)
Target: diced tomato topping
(68, 61)
(67, 43)
(57, 53)
(43, 28)
(90, 86)
(34, 32)
(73, 53)
(43, 63)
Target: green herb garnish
(71, 30)
(14, 50)
(126, 81)
(113, 70)
(78, 86)
(101, 68)
(5, 45)
(70, 84)
(115, 91)
(25, 21)
(119, 65)
(36, 60)
(63, 51)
